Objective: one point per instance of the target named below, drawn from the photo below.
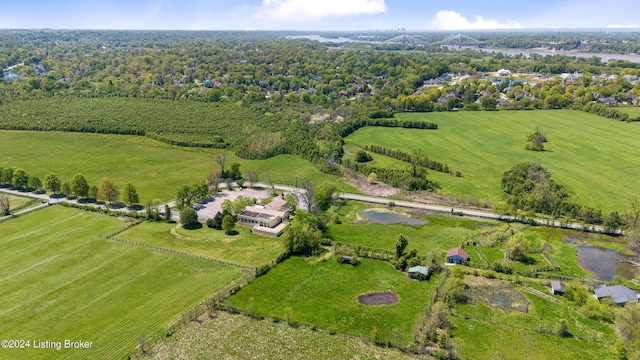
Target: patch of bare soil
(498, 294)
(376, 189)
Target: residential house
(457, 256)
(619, 294)
(266, 219)
(418, 272)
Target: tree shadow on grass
(231, 232)
(195, 226)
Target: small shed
(418, 272)
(457, 256)
(557, 288)
(346, 259)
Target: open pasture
(324, 294)
(156, 169)
(244, 248)
(595, 158)
(534, 331)
(62, 279)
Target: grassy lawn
(16, 202)
(61, 279)
(442, 233)
(241, 337)
(633, 111)
(493, 254)
(482, 332)
(598, 170)
(324, 294)
(244, 248)
(156, 169)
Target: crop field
(597, 170)
(61, 279)
(324, 294)
(242, 337)
(244, 248)
(533, 330)
(156, 169)
(441, 233)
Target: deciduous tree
(79, 186)
(109, 191)
(20, 178)
(130, 194)
(52, 183)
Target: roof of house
(277, 204)
(619, 293)
(557, 286)
(457, 252)
(419, 269)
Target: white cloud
(451, 20)
(313, 10)
(628, 26)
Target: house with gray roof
(619, 294)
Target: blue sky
(318, 14)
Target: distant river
(510, 52)
(544, 52)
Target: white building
(266, 219)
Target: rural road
(355, 197)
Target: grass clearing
(61, 279)
(483, 145)
(533, 331)
(156, 169)
(18, 202)
(241, 337)
(244, 248)
(442, 232)
(324, 294)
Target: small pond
(381, 298)
(378, 216)
(604, 264)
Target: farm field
(62, 279)
(244, 248)
(324, 294)
(156, 169)
(242, 337)
(589, 339)
(483, 145)
(633, 111)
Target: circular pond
(381, 298)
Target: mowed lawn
(324, 294)
(595, 158)
(15, 201)
(156, 169)
(61, 279)
(441, 233)
(244, 248)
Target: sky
(320, 15)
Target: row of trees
(77, 186)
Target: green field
(324, 294)
(241, 337)
(441, 233)
(156, 169)
(17, 202)
(596, 159)
(244, 248)
(482, 332)
(61, 279)
(633, 111)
